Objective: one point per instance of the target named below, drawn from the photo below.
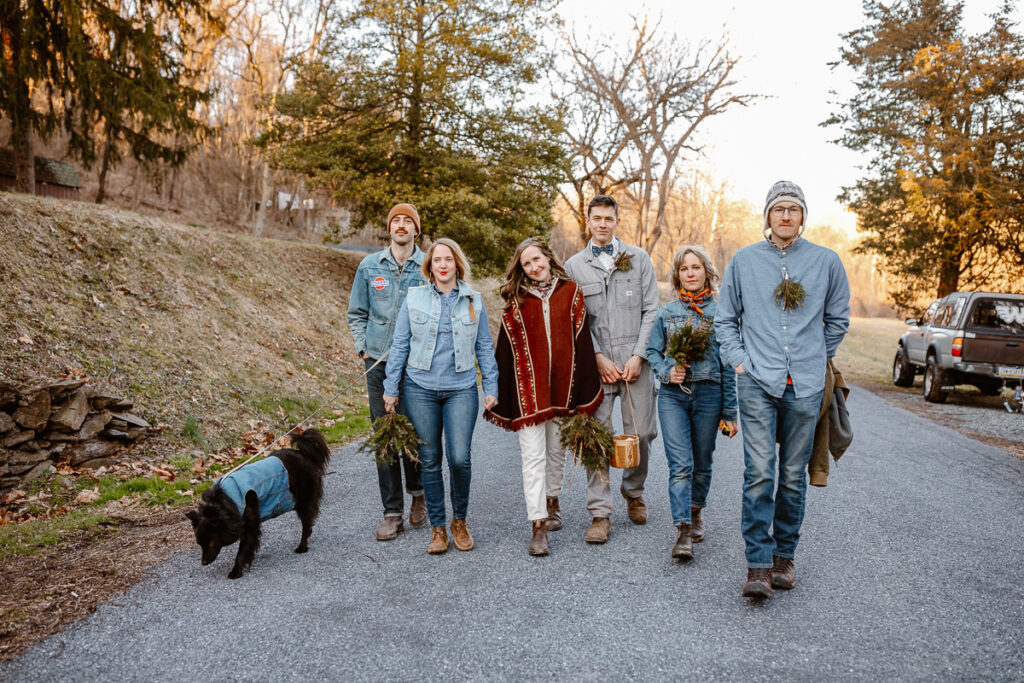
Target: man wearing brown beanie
(378, 290)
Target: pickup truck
(963, 338)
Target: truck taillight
(958, 346)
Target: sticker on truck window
(1010, 313)
(998, 315)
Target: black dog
(232, 509)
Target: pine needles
(688, 343)
(393, 435)
(588, 441)
(624, 262)
(789, 294)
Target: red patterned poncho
(540, 379)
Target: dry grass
(867, 352)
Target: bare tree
(634, 114)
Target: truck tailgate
(998, 349)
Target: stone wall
(52, 422)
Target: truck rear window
(998, 315)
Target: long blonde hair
(714, 279)
(516, 278)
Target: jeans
(389, 477)
(771, 518)
(689, 427)
(453, 413)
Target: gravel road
(909, 568)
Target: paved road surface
(910, 568)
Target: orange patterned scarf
(694, 299)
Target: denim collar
(415, 257)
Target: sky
(785, 49)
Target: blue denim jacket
(671, 317)
(378, 290)
(269, 479)
(442, 354)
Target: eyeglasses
(783, 210)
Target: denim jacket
(673, 316)
(378, 290)
(417, 339)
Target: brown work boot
(637, 509)
(599, 530)
(554, 520)
(696, 525)
(438, 540)
(418, 512)
(783, 573)
(683, 549)
(539, 542)
(758, 585)
(389, 528)
(460, 535)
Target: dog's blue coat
(269, 479)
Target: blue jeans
(790, 421)
(389, 477)
(689, 427)
(453, 413)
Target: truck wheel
(933, 392)
(902, 370)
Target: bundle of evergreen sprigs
(393, 435)
(588, 441)
(789, 294)
(688, 343)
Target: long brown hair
(516, 279)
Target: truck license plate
(1012, 372)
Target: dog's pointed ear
(194, 517)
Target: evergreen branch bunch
(789, 294)
(624, 262)
(393, 435)
(690, 343)
(588, 441)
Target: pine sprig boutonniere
(624, 262)
(587, 439)
(393, 436)
(789, 294)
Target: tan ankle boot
(539, 542)
(554, 520)
(460, 535)
(438, 540)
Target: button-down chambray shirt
(771, 342)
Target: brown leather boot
(438, 540)
(636, 508)
(599, 530)
(683, 549)
(539, 542)
(460, 535)
(783, 573)
(696, 525)
(759, 583)
(418, 512)
(389, 528)
(554, 520)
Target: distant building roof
(48, 170)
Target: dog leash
(307, 419)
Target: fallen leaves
(87, 496)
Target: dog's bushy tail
(313, 447)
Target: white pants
(543, 466)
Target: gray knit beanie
(785, 191)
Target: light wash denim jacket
(417, 340)
(378, 290)
(673, 316)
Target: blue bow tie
(607, 249)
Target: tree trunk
(949, 273)
(101, 192)
(265, 199)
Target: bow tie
(607, 249)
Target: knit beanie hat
(404, 210)
(785, 191)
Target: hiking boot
(683, 549)
(637, 509)
(389, 528)
(696, 525)
(418, 512)
(438, 540)
(758, 585)
(460, 535)
(783, 573)
(539, 542)
(554, 520)
(599, 530)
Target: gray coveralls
(622, 308)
